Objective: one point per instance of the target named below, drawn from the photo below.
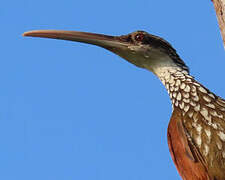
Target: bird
(196, 130)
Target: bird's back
(196, 134)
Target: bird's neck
(185, 92)
(174, 79)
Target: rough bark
(219, 6)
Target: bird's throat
(179, 84)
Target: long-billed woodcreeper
(196, 131)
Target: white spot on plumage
(208, 118)
(195, 117)
(193, 89)
(198, 140)
(203, 90)
(178, 82)
(206, 150)
(181, 105)
(182, 78)
(179, 74)
(199, 129)
(194, 93)
(207, 99)
(193, 103)
(211, 95)
(167, 76)
(221, 135)
(186, 100)
(185, 72)
(176, 88)
(167, 86)
(213, 112)
(183, 85)
(179, 96)
(173, 101)
(220, 116)
(185, 95)
(219, 144)
(196, 84)
(187, 89)
(171, 81)
(174, 94)
(190, 114)
(213, 125)
(204, 112)
(189, 76)
(211, 106)
(188, 80)
(186, 108)
(208, 133)
(195, 98)
(197, 108)
(223, 154)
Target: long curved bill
(105, 41)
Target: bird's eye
(139, 37)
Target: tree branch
(219, 6)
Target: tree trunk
(220, 13)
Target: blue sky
(74, 111)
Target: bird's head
(139, 48)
